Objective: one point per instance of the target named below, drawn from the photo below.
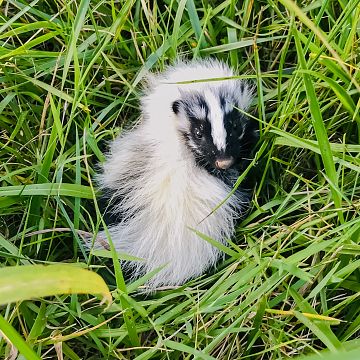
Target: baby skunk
(163, 178)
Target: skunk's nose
(224, 163)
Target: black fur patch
(241, 135)
(202, 146)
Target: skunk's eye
(199, 132)
(238, 129)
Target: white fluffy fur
(164, 192)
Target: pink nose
(224, 163)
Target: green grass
(70, 78)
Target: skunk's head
(210, 115)
(207, 105)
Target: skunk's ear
(176, 106)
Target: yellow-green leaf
(33, 281)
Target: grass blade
(17, 340)
(48, 189)
(319, 127)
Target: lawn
(70, 80)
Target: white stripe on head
(216, 118)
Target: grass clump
(69, 81)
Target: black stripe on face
(193, 105)
(222, 102)
(196, 107)
(198, 138)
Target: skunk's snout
(224, 163)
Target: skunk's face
(216, 132)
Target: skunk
(164, 178)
